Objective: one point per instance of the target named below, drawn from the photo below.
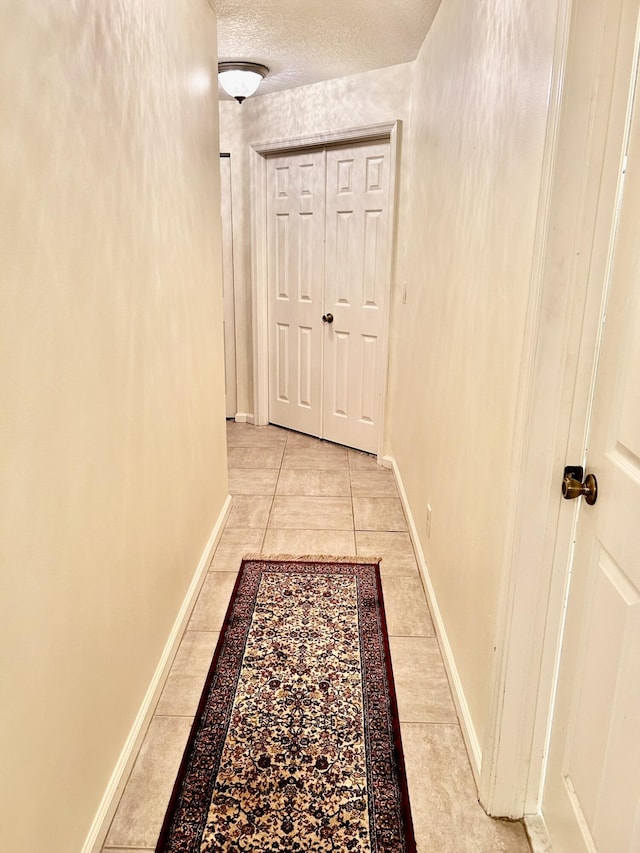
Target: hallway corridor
(297, 495)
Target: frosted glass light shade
(241, 79)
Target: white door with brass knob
(591, 799)
(328, 242)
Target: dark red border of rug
(188, 807)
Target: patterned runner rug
(295, 747)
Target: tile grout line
(273, 497)
(176, 716)
(353, 512)
(412, 637)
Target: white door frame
(230, 371)
(258, 153)
(589, 94)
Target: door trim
(228, 289)
(258, 153)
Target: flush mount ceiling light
(241, 79)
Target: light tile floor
(297, 495)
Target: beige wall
(479, 110)
(333, 105)
(112, 416)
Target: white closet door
(356, 293)
(328, 304)
(295, 235)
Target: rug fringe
(313, 558)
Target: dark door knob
(327, 318)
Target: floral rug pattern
(295, 747)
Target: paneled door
(591, 800)
(355, 293)
(295, 272)
(328, 273)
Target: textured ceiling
(305, 41)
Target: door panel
(592, 793)
(368, 382)
(356, 286)
(295, 234)
(305, 361)
(283, 384)
(338, 384)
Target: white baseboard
(468, 731)
(537, 834)
(106, 810)
(244, 418)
